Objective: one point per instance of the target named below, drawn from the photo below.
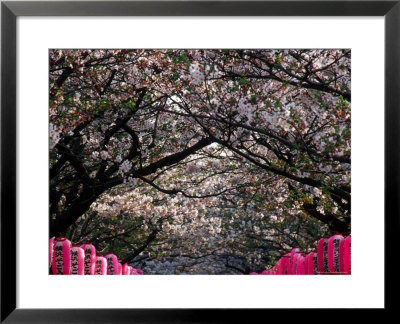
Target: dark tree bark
(94, 188)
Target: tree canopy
(204, 159)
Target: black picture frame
(10, 10)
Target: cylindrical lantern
(139, 272)
(292, 259)
(284, 264)
(341, 256)
(126, 269)
(347, 255)
(77, 260)
(130, 269)
(51, 251)
(311, 264)
(119, 267)
(315, 262)
(300, 269)
(62, 257)
(334, 253)
(101, 265)
(90, 258)
(112, 264)
(307, 264)
(295, 263)
(323, 256)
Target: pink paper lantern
(51, 251)
(341, 255)
(347, 255)
(126, 269)
(292, 260)
(307, 264)
(334, 253)
(311, 264)
(284, 264)
(139, 272)
(300, 269)
(119, 268)
(101, 266)
(77, 260)
(90, 258)
(62, 257)
(323, 256)
(315, 262)
(295, 263)
(112, 264)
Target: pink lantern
(292, 259)
(341, 256)
(284, 264)
(126, 269)
(334, 253)
(307, 264)
(90, 258)
(77, 260)
(51, 251)
(347, 255)
(119, 267)
(139, 272)
(311, 264)
(315, 262)
(112, 264)
(296, 263)
(101, 265)
(62, 257)
(300, 269)
(323, 256)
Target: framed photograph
(197, 142)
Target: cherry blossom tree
(102, 130)
(232, 156)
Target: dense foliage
(201, 161)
